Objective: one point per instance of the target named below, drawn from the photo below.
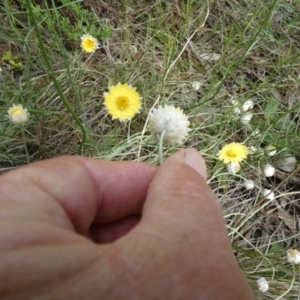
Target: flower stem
(25, 145)
(52, 76)
(128, 135)
(161, 139)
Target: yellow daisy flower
(122, 101)
(233, 153)
(89, 44)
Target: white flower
(269, 170)
(263, 285)
(271, 150)
(293, 256)
(246, 118)
(268, 194)
(18, 115)
(287, 164)
(169, 121)
(247, 105)
(233, 168)
(196, 85)
(248, 184)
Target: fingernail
(195, 160)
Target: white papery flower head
(269, 170)
(196, 85)
(293, 256)
(262, 284)
(246, 118)
(233, 168)
(169, 121)
(247, 105)
(248, 184)
(18, 115)
(268, 194)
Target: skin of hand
(81, 228)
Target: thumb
(183, 223)
(180, 204)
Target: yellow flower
(18, 115)
(233, 153)
(89, 44)
(122, 101)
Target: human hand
(81, 228)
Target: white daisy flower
(18, 115)
(170, 122)
(262, 284)
(293, 256)
(269, 170)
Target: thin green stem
(25, 145)
(161, 140)
(52, 76)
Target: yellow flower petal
(233, 153)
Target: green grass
(240, 49)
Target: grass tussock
(208, 58)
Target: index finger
(75, 191)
